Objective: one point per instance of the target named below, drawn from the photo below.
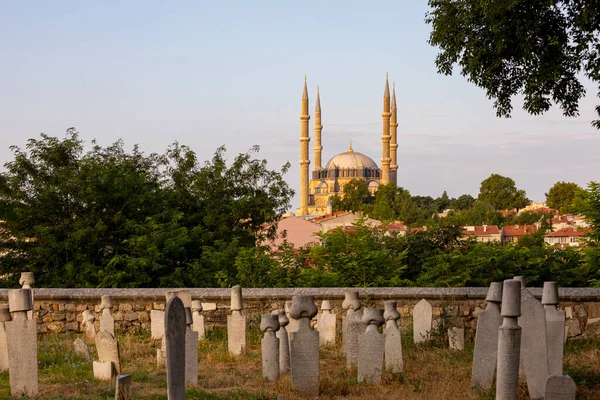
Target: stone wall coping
(223, 294)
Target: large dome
(351, 159)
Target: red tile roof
(519, 230)
(481, 230)
(568, 232)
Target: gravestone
(108, 351)
(422, 320)
(191, 350)
(292, 324)
(107, 321)
(103, 371)
(4, 317)
(87, 323)
(456, 338)
(393, 338)
(161, 354)
(560, 387)
(123, 387)
(485, 353)
(509, 342)
(352, 326)
(284, 343)
(304, 344)
(27, 281)
(269, 324)
(371, 347)
(21, 335)
(198, 319)
(555, 328)
(534, 350)
(81, 349)
(326, 324)
(157, 324)
(236, 324)
(175, 348)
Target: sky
(208, 74)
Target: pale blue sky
(230, 73)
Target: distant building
(483, 233)
(296, 231)
(514, 232)
(344, 220)
(566, 237)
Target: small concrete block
(569, 312)
(157, 324)
(209, 306)
(103, 370)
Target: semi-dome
(351, 159)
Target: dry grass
(430, 373)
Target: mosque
(329, 179)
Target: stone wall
(59, 310)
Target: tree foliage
(538, 49)
(563, 195)
(501, 193)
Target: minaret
(304, 160)
(394, 138)
(385, 137)
(318, 127)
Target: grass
(430, 372)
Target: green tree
(355, 196)
(501, 193)
(463, 202)
(590, 207)
(562, 195)
(537, 49)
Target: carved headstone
(198, 324)
(27, 281)
(87, 323)
(485, 353)
(284, 343)
(456, 338)
(393, 338)
(103, 371)
(555, 328)
(304, 344)
(108, 350)
(269, 324)
(191, 350)
(509, 342)
(236, 324)
(326, 324)
(175, 348)
(293, 324)
(81, 349)
(560, 388)
(4, 317)
(107, 321)
(123, 387)
(422, 320)
(157, 324)
(21, 334)
(352, 326)
(371, 347)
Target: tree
(463, 202)
(562, 195)
(538, 49)
(355, 195)
(501, 193)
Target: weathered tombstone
(269, 324)
(236, 324)
(198, 324)
(393, 338)
(560, 387)
(21, 334)
(108, 351)
(89, 329)
(284, 343)
(326, 324)
(103, 371)
(123, 387)
(175, 348)
(422, 320)
(352, 326)
(27, 281)
(555, 328)
(4, 317)
(509, 342)
(293, 324)
(304, 344)
(191, 350)
(161, 353)
(485, 353)
(107, 321)
(534, 347)
(157, 324)
(81, 349)
(371, 347)
(456, 338)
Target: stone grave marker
(81, 349)
(560, 387)
(191, 350)
(393, 338)
(199, 322)
(304, 344)
(555, 328)
(157, 324)
(352, 326)
(422, 320)
(108, 352)
(4, 317)
(326, 324)
(27, 281)
(292, 323)
(161, 354)
(509, 342)
(175, 348)
(107, 321)
(87, 323)
(371, 347)
(456, 338)
(123, 387)
(103, 371)
(21, 334)
(284, 343)
(269, 324)
(485, 354)
(236, 324)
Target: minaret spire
(394, 138)
(304, 160)
(385, 137)
(318, 128)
